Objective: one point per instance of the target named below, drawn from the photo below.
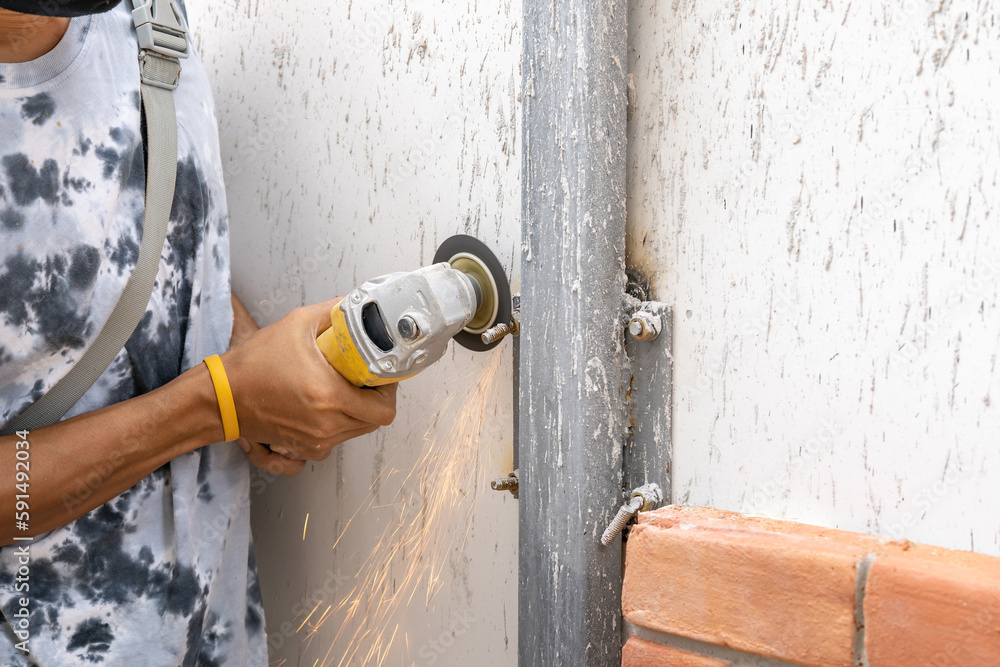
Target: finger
(266, 459)
(316, 451)
(281, 450)
(285, 467)
(371, 405)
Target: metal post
(572, 403)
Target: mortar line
(732, 657)
(860, 584)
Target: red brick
(774, 588)
(641, 653)
(930, 606)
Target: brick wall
(707, 588)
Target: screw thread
(625, 514)
(495, 333)
(503, 484)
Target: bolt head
(356, 296)
(421, 358)
(407, 328)
(386, 364)
(644, 325)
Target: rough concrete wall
(356, 138)
(813, 187)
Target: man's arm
(82, 462)
(286, 394)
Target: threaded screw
(644, 498)
(498, 331)
(625, 514)
(508, 483)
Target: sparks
(427, 523)
(304, 526)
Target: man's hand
(260, 455)
(289, 396)
(265, 458)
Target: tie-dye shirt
(163, 574)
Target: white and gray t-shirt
(164, 574)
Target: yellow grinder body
(394, 326)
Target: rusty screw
(508, 483)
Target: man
(141, 549)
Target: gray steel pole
(572, 423)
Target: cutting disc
(471, 256)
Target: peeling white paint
(813, 187)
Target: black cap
(68, 8)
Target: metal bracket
(649, 348)
(510, 482)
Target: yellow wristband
(224, 394)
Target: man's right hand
(289, 396)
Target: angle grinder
(394, 326)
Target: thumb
(319, 314)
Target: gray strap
(160, 74)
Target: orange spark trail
(432, 510)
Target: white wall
(356, 139)
(813, 186)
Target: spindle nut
(408, 328)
